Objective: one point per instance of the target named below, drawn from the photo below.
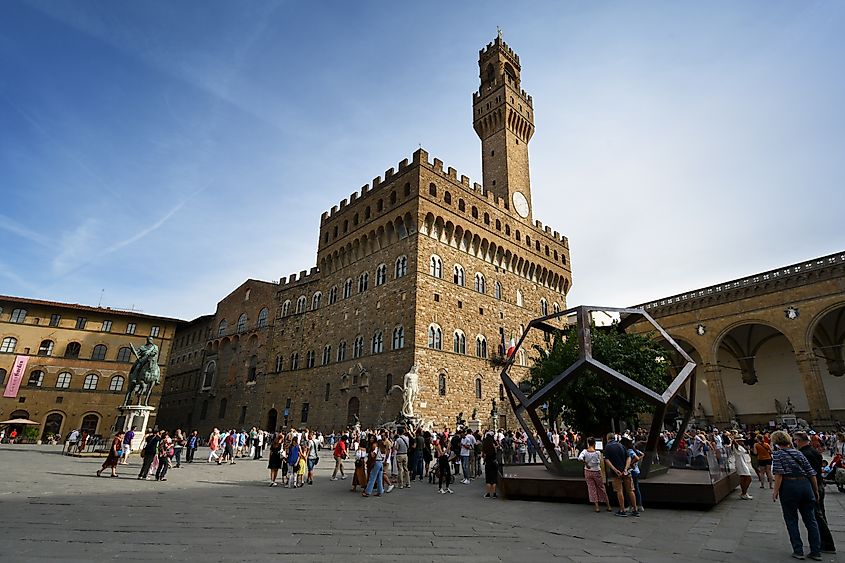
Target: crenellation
(438, 165)
(465, 180)
(353, 197)
(283, 280)
(324, 217)
(403, 165)
(365, 189)
(377, 182)
(420, 156)
(476, 187)
(388, 174)
(342, 204)
(334, 211)
(452, 173)
(548, 230)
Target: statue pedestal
(474, 425)
(137, 416)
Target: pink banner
(15, 378)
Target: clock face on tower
(520, 204)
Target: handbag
(119, 453)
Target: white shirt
(467, 444)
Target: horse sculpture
(145, 373)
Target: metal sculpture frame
(527, 405)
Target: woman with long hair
(114, 456)
(293, 461)
(742, 461)
(441, 452)
(275, 462)
(491, 465)
(592, 461)
(359, 476)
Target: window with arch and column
(435, 266)
(497, 290)
(294, 361)
(520, 302)
(441, 384)
(378, 342)
(544, 307)
(286, 308)
(478, 387)
(9, 344)
(208, 375)
(480, 283)
(316, 300)
(341, 351)
(333, 295)
(398, 338)
(459, 342)
(358, 347)
(252, 369)
(347, 288)
(222, 327)
(481, 346)
(279, 363)
(327, 354)
(310, 359)
(300, 304)
(458, 275)
(381, 274)
(363, 282)
(435, 337)
(400, 268)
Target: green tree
(589, 402)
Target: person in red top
(339, 454)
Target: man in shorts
(619, 468)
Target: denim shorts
(311, 464)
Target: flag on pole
(511, 347)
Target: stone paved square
(54, 508)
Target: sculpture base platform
(137, 416)
(677, 488)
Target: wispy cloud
(10, 225)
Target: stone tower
(503, 117)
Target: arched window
(480, 346)
(9, 344)
(521, 357)
(208, 377)
(316, 300)
(17, 316)
(36, 379)
(498, 225)
(518, 236)
(242, 320)
(432, 190)
(519, 300)
(378, 342)
(347, 288)
(393, 197)
(435, 337)
(555, 307)
(459, 343)
(99, 352)
(544, 307)
(327, 354)
(462, 206)
(435, 266)
(116, 383)
(341, 351)
(480, 283)
(294, 361)
(367, 213)
(300, 304)
(398, 338)
(124, 354)
(407, 191)
(89, 424)
(252, 368)
(333, 295)
(501, 392)
(458, 274)
(309, 359)
(279, 363)
(363, 282)
(63, 380)
(388, 383)
(286, 308)
(381, 274)
(401, 267)
(358, 347)
(46, 348)
(90, 382)
(486, 218)
(507, 230)
(497, 290)
(441, 385)
(478, 387)
(72, 350)
(474, 212)
(262, 317)
(221, 328)
(447, 198)
(221, 413)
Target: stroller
(834, 472)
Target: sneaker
(815, 557)
(796, 555)
(441, 491)
(450, 491)
(621, 514)
(390, 488)
(334, 478)
(486, 495)
(342, 477)
(640, 509)
(495, 495)
(465, 482)
(635, 513)
(746, 496)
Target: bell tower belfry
(503, 118)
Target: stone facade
(78, 361)
(773, 336)
(420, 266)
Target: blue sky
(166, 151)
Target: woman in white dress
(742, 461)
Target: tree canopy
(589, 402)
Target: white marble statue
(410, 389)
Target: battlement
(498, 43)
(389, 175)
(304, 277)
(481, 94)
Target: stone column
(808, 367)
(718, 400)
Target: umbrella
(21, 421)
